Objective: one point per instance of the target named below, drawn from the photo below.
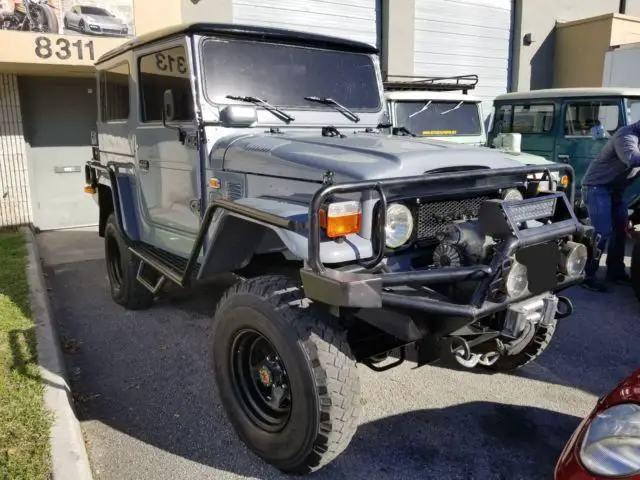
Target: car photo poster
(98, 18)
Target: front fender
(233, 238)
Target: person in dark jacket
(603, 188)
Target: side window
(536, 118)
(591, 119)
(114, 93)
(504, 119)
(160, 71)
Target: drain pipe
(623, 7)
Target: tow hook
(461, 351)
(565, 310)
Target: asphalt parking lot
(149, 409)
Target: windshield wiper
(452, 109)
(341, 108)
(285, 117)
(421, 110)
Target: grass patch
(24, 423)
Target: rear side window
(591, 118)
(114, 93)
(536, 118)
(160, 71)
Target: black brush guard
(368, 286)
(364, 286)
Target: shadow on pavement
(148, 375)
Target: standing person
(603, 188)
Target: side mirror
(168, 109)
(238, 115)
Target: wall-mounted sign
(103, 18)
(62, 48)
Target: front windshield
(439, 118)
(283, 75)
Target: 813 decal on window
(63, 49)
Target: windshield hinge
(195, 206)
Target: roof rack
(442, 84)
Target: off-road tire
(324, 382)
(125, 290)
(531, 352)
(635, 266)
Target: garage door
(58, 116)
(460, 37)
(352, 19)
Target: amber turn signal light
(342, 218)
(89, 189)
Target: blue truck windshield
(283, 75)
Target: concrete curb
(69, 459)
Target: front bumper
(369, 286)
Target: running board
(167, 265)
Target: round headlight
(516, 280)
(573, 258)
(611, 445)
(512, 194)
(399, 225)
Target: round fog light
(516, 282)
(512, 194)
(573, 259)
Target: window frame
(590, 100)
(103, 91)
(496, 123)
(160, 49)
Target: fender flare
(233, 238)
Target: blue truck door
(586, 125)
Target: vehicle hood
(354, 157)
(526, 158)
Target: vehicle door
(535, 122)
(167, 158)
(587, 125)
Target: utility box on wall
(581, 47)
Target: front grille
(433, 216)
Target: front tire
(122, 270)
(285, 374)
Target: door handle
(563, 158)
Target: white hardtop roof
(571, 92)
(421, 95)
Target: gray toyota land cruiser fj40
(257, 151)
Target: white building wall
(15, 206)
(461, 37)
(352, 19)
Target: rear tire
(304, 365)
(49, 19)
(122, 270)
(537, 345)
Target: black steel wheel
(261, 380)
(122, 270)
(285, 374)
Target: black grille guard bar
(378, 236)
